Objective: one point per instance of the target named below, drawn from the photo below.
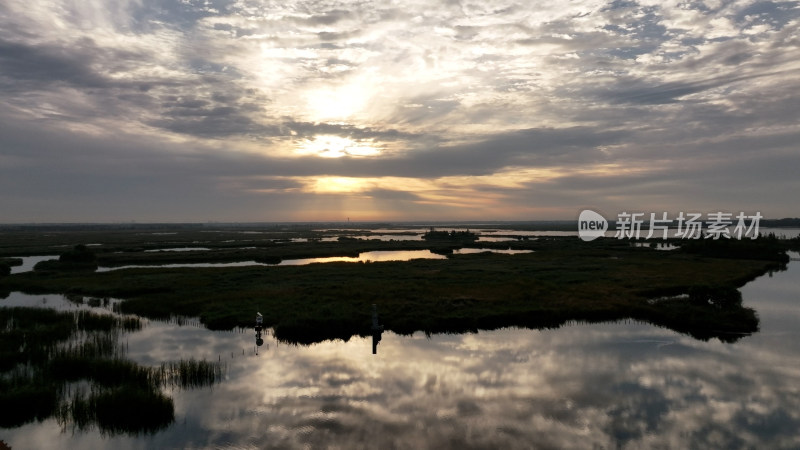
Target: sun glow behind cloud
(332, 146)
(455, 189)
(336, 103)
(495, 106)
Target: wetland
(463, 312)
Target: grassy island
(691, 290)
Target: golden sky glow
(251, 110)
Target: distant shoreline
(521, 225)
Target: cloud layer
(241, 110)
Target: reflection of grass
(190, 373)
(123, 409)
(42, 350)
(23, 400)
(565, 279)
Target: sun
(336, 104)
(332, 146)
(340, 185)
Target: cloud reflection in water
(610, 385)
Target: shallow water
(467, 251)
(581, 386)
(178, 249)
(373, 256)
(29, 261)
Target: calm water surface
(373, 256)
(626, 385)
(29, 261)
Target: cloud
(36, 65)
(434, 90)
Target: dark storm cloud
(37, 65)
(534, 147)
(30, 143)
(216, 123)
(537, 147)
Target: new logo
(591, 225)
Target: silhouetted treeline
(767, 248)
(79, 258)
(453, 235)
(780, 223)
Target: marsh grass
(11, 262)
(7, 263)
(564, 279)
(45, 352)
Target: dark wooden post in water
(377, 329)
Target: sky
(239, 110)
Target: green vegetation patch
(564, 279)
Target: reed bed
(44, 352)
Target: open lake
(628, 385)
